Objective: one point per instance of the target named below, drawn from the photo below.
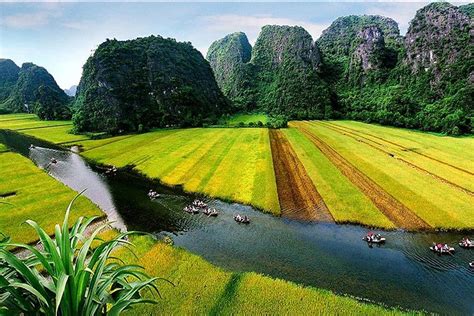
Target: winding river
(403, 272)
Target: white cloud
(252, 24)
(40, 16)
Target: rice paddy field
(361, 173)
(430, 176)
(27, 192)
(202, 288)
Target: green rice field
(431, 175)
(204, 289)
(29, 193)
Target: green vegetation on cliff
(144, 83)
(31, 89)
(423, 81)
(281, 78)
(361, 68)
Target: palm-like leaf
(68, 276)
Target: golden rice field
(201, 288)
(231, 164)
(432, 176)
(29, 193)
(434, 181)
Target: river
(403, 272)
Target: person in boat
(466, 242)
(53, 160)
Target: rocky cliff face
(440, 35)
(228, 58)
(281, 76)
(36, 88)
(145, 83)
(369, 53)
(337, 43)
(8, 77)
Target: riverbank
(202, 288)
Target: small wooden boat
(466, 243)
(374, 238)
(210, 212)
(153, 194)
(241, 219)
(442, 249)
(191, 210)
(53, 160)
(199, 203)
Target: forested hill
(364, 67)
(282, 69)
(31, 88)
(148, 82)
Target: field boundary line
(404, 148)
(297, 194)
(410, 164)
(392, 208)
(39, 127)
(193, 168)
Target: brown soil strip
(370, 143)
(398, 213)
(297, 194)
(405, 148)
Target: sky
(60, 36)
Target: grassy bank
(32, 194)
(202, 288)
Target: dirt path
(297, 194)
(398, 213)
(404, 148)
(371, 143)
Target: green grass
(236, 119)
(344, 200)
(38, 197)
(204, 289)
(439, 204)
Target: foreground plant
(71, 274)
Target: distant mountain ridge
(31, 88)
(71, 91)
(364, 67)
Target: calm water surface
(401, 273)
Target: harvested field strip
(401, 147)
(297, 194)
(371, 143)
(345, 201)
(397, 212)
